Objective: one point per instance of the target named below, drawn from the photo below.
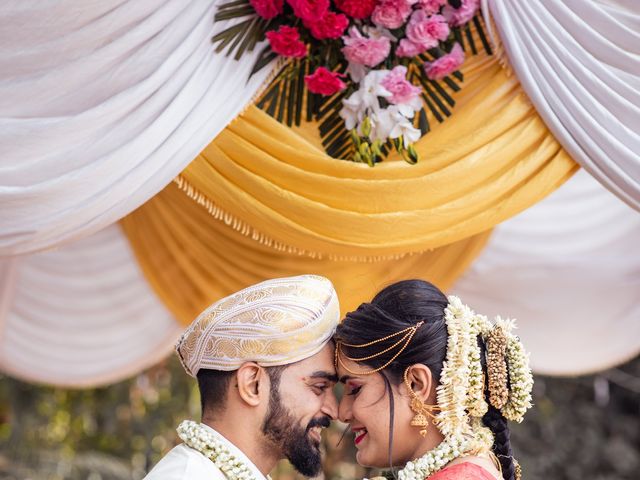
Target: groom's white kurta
(184, 462)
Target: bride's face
(365, 406)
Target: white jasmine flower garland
(215, 449)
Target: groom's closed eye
(321, 381)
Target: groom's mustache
(319, 422)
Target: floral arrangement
(215, 449)
(367, 70)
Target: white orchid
(365, 101)
(371, 89)
(392, 123)
(409, 133)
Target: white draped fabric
(569, 270)
(81, 316)
(102, 103)
(579, 63)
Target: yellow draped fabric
(192, 259)
(264, 200)
(493, 158)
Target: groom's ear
(420, 379)
(251, 379)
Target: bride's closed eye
(354, 390)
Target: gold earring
(422, 410)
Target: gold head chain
(406, 336)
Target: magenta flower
(331, 25)
(267, 8)
(325, 82)
(286, 42)
(443, 66)
(309, 10)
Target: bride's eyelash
(354, 391)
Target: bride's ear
(420, 379)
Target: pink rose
(402, 91)
(459, 16)
(365, 51)
(331, 25)
(443, 66)
(267, 8)
(391, 13)
(427, 30)
(356, 8)
(325, 82)
(407, 48)
(431, 6)
(309, 10)
(286, 42)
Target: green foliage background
(587, 427)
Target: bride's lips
(360, 434)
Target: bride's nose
(344, 410)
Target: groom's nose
(330, 405)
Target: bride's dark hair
(402, 305)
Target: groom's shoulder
(183, 462)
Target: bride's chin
(361, 458)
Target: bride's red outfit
(463, 471)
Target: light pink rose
(402, 91)
(365, 51)
(427, 30)
(459, 16)
(407, 48)
(431, 6)
(443, 66)
(391, 13)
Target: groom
(264, 363)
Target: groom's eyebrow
(332, 377)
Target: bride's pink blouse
(463, 471)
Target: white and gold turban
(275, 322)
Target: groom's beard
(282, 428)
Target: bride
(430, 385)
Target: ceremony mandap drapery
(569, 270)
(101, 105)
(579, 63)
(493, 158)
(81, 316)
(263, 200)
(192, 259)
